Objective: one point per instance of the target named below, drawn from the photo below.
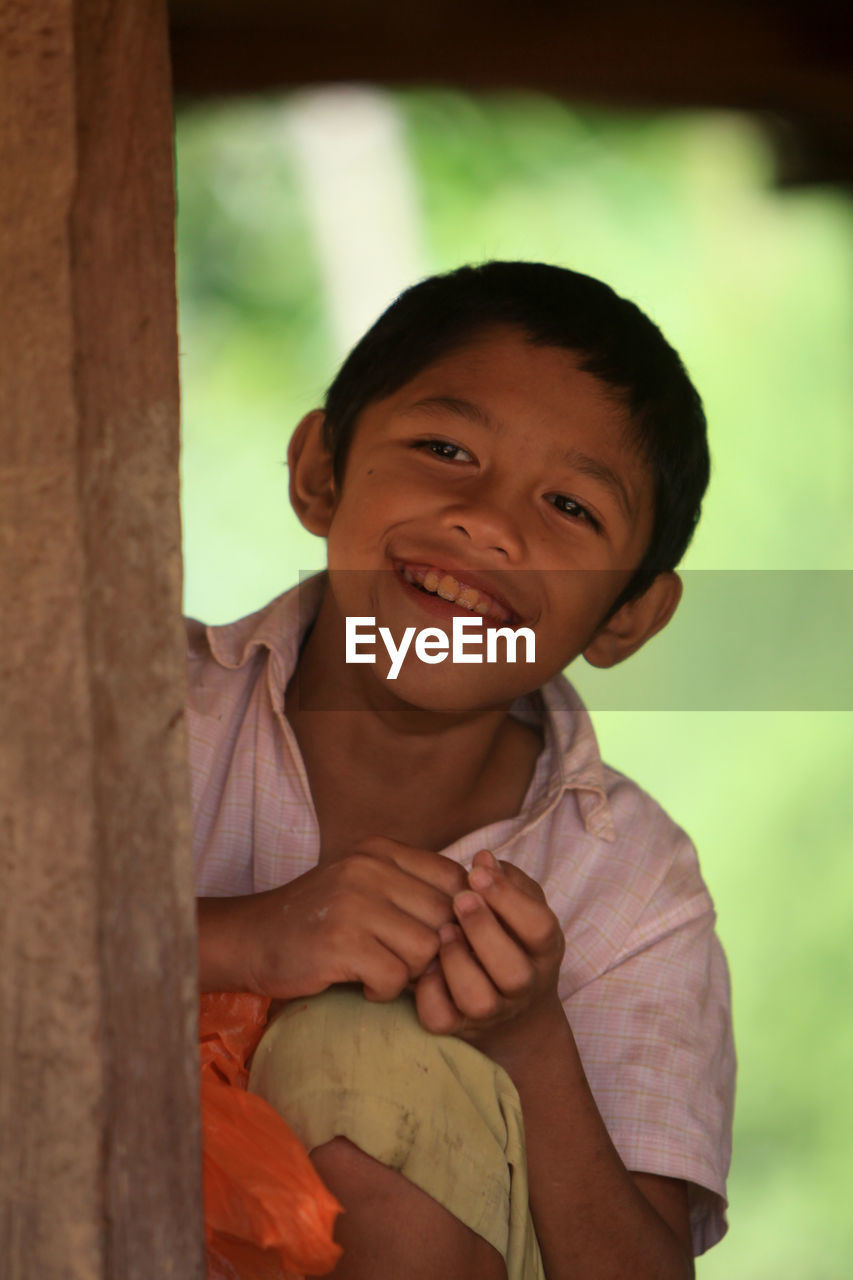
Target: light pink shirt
(644, 980)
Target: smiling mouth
(438, 582)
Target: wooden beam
(99, 1135)
(667, 53)
(789, 58)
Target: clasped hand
(480, 950)
(498, 962)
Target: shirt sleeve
(655, 1037)
(219, 715)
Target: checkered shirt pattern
(644, 981)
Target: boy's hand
(498, 966)
(371, 917)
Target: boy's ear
(636, 622)
(312, 484)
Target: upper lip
(466, 577)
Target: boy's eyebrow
(464, 408)
(575, 458)
(598, 470)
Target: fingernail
(448, 933)
(466, 903)
(480, 878)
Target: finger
(414, 943)
(484, 858)
(525, 913)
(434, 868)
(384, 980)
(365, 876)
(507, 965)
(470, 988)
(383, 974)
(436, 1010)
(522, 881)
(352, 914)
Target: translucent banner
(740, 640)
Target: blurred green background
(301, 217)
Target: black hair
(553, 307)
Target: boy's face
(509, 471)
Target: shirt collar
(279, 626)
(577, 761)
(576, 765)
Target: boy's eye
(572, 508)
(444, 449)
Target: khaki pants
(431, 1106)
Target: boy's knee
(429, 1108)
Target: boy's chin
(456, 690)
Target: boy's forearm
(592, 1221)
(219, 953)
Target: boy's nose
(486, 525)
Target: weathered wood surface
(99, 1139)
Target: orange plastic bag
(267, 1215)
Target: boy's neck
(409, 773)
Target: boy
(514, 1058)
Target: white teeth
(431, 580)
(448, 588)
(409, 576)
(468, 598)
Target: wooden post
(99, 1135)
